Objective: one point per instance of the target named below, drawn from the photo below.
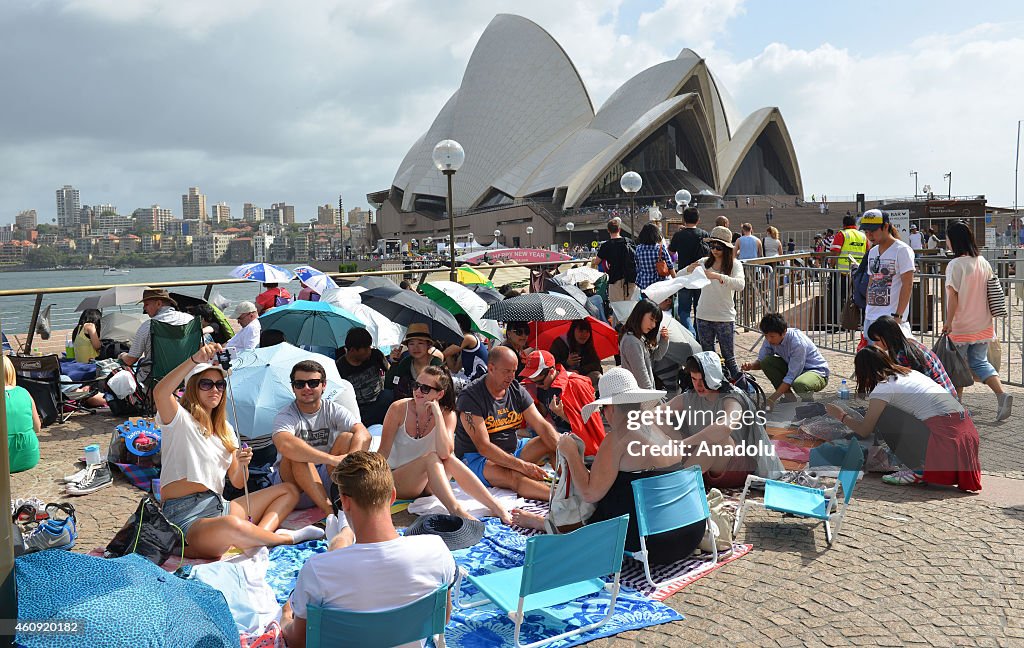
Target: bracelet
(193, 360)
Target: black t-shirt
(367, 379)
(501, 417)
(690, 243)
(621, 258)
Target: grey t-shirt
(320, 429)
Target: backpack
(629, 262)
(859, 280)
(148, 533)
(567, 510)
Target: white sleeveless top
(405, 448)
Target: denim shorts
(475, 461)
(183, 511)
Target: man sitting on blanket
(312, 436)
(562, 395)
(491, 409)
(369, 567)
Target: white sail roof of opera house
(524, 117)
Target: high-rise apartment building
(220, 213)
(251, 213)
(193, 205)
(261, 244)
(359, 216)
(327, 215)
(286, 212)
(26, 220)
(209, 249)
(154, 218)
(69, 203)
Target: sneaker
(97, 476)
(74, 478)
(905, 477)
(53, 534)
(1005, 407)
(801, 478)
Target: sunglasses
(425, 389)
(718, 246)
(520, 331)
(205, 384)
(312, 383)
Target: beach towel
(430, 504)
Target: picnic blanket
(125, 601)
(501, 548)
(673, 576)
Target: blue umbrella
(263, 273)
(305, 272)
(260, 387)
(307, 323)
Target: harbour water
(16, 312)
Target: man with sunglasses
(561, 395)
(313, 436)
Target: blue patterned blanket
(501, 548)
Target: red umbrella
(606, 340)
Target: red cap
(536, 363)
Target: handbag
(852, 315)
(996, 298)
(661, 265)
(148, 533)
(721, 523)
(567, 510)
(954, 361)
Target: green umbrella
(456, 298)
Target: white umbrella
(263, 273)
(470, 302)
(583, 273)
(384, 332)
(121, 326)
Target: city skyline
(303, 106)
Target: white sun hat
(619, 387)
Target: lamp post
(448, 157)
(529, 231)
(497, 233)
(683, 198)
(631, 183)
(949, 188)
(914, 173)
(569, 227)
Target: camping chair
(669, 502)
(171, 345)
(557, 569)
(417, 620)
(41, 377)
(802, 501)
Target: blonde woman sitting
(419, 441)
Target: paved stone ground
(912, 565)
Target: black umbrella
(489, 295)
(536, 307)
(185, 301)
(405, 307)
(554, 286)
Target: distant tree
(43, 257)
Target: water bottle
(844, 391)
(69, 348)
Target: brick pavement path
(912, 566)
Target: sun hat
(723, 235)
(711, 363)
(619, 387)
(913, 227)
(204, 366)
(157, 293)
(456, 532)
(243, 308)
(873, 219)
(536, 364)
(418, 331)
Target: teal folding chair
(557, 569)
(418, 620)
(802, 501)
(666, 503)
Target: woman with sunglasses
(716, 310)
(517, 336)
(418, 441)
(199, 449)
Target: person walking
(651, 250)
(690, 243)
(969, 322)
(716, 311)
(891, 270)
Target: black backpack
(629, 262)
(860, 280)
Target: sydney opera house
(537, 154)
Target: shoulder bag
(567, 510)
(996, 298)
(661, 265)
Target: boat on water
(114, 271)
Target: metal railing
(812, 299)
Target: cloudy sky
(133, 101)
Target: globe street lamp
(569, 227)
(683, 197)
(631, 183)
(529, 230)
(471, 244)
(497, 233)
(448, 157)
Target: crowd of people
(520, 406)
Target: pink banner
(516, 255)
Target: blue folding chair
(669, 502)
(418, 620)
(815, 503)
(557, 569)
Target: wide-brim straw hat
(723, 235)
(619, 387)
